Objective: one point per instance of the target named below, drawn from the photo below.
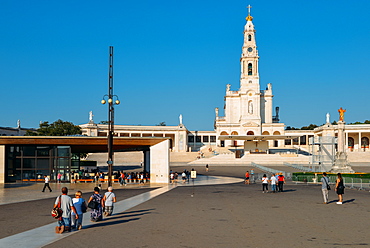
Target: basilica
(246, 130)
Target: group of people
(133, 177)
(276, 181)
(174, 176)
(74, 208)
(339, 187)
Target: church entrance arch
(351, 143)
(364, 143)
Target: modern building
(27, 158)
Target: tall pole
(110, 117)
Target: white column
(2, 164)
(359, 142)
(160, 162)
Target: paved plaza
(215, 212)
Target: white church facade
(249, 110)
(248, 122)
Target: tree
(310, 127)
(57, 128)
(291, 128)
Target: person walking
(207, 168)
(66, 205)
(59, 178)
(109, 199)
(273, 183)
(46, 184)
(265, 183)
(183, 175)
(80, 205)
(247, 178)
(339, 188)
(281, 181)
(325, 187)
(97, 211)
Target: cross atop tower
(249, 9)
(249, 17)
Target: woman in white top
(265, 183)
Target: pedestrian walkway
(13, 193)
(45, 234)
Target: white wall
(160, 162)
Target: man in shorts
(109, 199)
(247, 178)
(66, 204)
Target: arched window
(364, 142)
(250, 133)
(249, 37)
(265, 133)
(276, 133)
(224, 133)
(351, 142)
(250, 69)
(234, 133)
(250, 81)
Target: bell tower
(249, 76)
(250, 94)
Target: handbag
(57, 212)
(93, 204)
(327, 185)
(83, 207)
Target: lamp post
(112, 100)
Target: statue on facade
(19, 124)
(228, 87)
(327, 118)
(341, 112)
(91, 117)
(250, 107)
(216, 111)
(180, 119)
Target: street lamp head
(118, 102)
(110, 100)
(103, 101)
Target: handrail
(299, 167)
(267, 169)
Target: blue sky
(176, 57)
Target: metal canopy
(257, 137)
(85, 144)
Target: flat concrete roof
(257, 137)
(85, 144)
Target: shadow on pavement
(348, 201)
(120, 218)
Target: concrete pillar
(359, 142)
(146, 161)
(341, 137)
(2, 164)
(160, 162)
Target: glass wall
(30, 163)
